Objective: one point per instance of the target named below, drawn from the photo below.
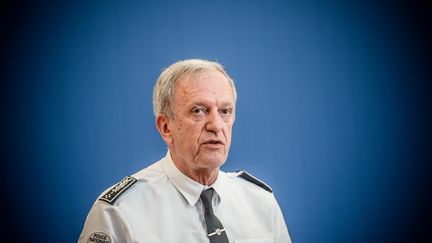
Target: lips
(214, 141)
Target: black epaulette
(243, 174)
(118, 189)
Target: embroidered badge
(99, 237)
(243, 174)
(118, 189)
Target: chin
(213, 161)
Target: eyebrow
(200, 103)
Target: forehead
(210, 86)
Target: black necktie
(215, 230)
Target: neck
(204, 176)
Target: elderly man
(184, 197)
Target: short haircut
(164, 89)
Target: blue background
(333, 109)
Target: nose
(214, 122)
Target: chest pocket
(255, 241)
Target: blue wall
(333, 108)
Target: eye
(198, 111)
(226, 111)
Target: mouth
(213, 142)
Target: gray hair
(164, 89)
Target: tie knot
(206, 197)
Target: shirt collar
(189, 188)
(218, 184)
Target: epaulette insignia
(243, 174)
(118, 189)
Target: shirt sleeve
(281, 231)
(104, 223)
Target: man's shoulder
(248, 180)
(112, 194)
(129, 185)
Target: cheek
(188, 134)
(177, 133)
(228, 129)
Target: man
(184, 197)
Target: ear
(162, 122)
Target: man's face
(204, 113)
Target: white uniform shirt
(163, 205)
